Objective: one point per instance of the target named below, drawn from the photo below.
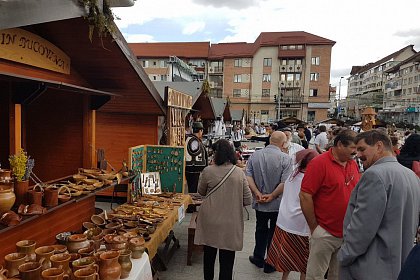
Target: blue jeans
(266, 223)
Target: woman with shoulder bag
(220, 220)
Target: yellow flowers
(18, 164)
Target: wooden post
(15, 128)
(89, 126)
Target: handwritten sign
(24, 47)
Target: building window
(163, 64)
(154, 78)
(236, 93)
(238, 63)
(290, 77)
(311, 116)
(264, 112)
(154, 63)
(237, 78)
(145, 63)
(314, 76)
(163, 77)
(266, 77)
(299, 47)
(283, 77)
(267, 62)
(297, 77)
(266, 92)
(315, 60)
(313, 92)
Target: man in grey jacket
(382, 215)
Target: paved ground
(243, 269)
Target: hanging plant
(103, 21)
(18, 165)
(205, 87)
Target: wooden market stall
(54, 82)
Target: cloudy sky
(364, 30)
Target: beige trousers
(323, 249)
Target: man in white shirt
(321, 139)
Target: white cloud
(135, 38)
(365, 31)
(193, 27)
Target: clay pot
(35, 195)
(85, 252)
(109, 267)
(64, 194)
(27, 247)
(7, 197)
(5, 174)
(21, 192)
(30, 271)
(125, 262)
(54, 273)
(98, 220)
(85, 262)
(75, 242)
(43, 254)
(3, 273)
(136, 245)
(59, 249)
(62, 261)
(12, 262)
(86, 274)
(50, 196)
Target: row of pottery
(56, 262)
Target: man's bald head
(278, 138)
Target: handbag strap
(221, 181)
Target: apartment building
(281, 74)
(402, 92)
(173, 61)
(366, 85)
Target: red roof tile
(224, 50)
(179, 49)
(291, 38)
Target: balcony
(216, 84)
(291, 100)
(216, 70)
(290, 84)
(291, 68)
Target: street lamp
(339, 97)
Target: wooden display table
(67, 216)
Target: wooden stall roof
(237, 115)
(220, 108)
(105, 64)
(292, 120)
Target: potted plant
(21, 166)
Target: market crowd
(341, 205)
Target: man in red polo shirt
(325, 193)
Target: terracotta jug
(75, 242)
(7, 197)
(125, 261)
(3, 273)
(43, 255)
(35, 195)
(54, 273)
(21, 192)
(50, 196)
(85, 262)
(30, 271)
(136, 245)
(12, 262)
(109, 268)
(27, 247)
(86, 274)
(62, 261)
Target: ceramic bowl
(98, 220)
(62, 237)
(79, 178)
